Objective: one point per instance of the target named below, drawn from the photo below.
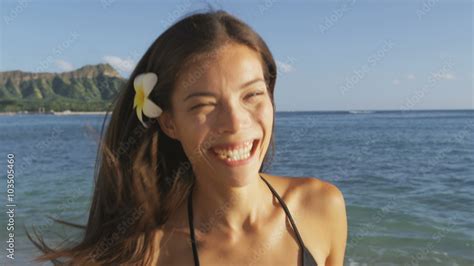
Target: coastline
(52, 113)
(355, 112)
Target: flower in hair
(144, 84)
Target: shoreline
(52, 113)
(67, 112)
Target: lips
(237, 157)
(233, 146)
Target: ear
(167, 124)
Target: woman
(180, 175)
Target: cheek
(191, 122)
(264, 112)
(192, 130)
(265, 120)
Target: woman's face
(222, 113)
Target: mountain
(89, 88)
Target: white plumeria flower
(143, 85)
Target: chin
(240, 179)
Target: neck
(234, 210)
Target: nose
(233, 117)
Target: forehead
(227, 67)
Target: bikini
(306, 259)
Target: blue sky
(332, 55)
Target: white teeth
(235, 155)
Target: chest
(276, 247)
(275, 244)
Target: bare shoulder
(319, 210)
(319, 193)
(310, 191)
(322, 198)
(325, 203)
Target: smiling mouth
(241, 153)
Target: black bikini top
(306, 258)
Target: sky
(331, 55)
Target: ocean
(407, 178)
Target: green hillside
(89, 88)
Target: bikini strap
(282, 203)
(191, 227)
(288, 214)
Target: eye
(200, 105)
(254, 94)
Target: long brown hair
(141, 174)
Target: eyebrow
(203, 93)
